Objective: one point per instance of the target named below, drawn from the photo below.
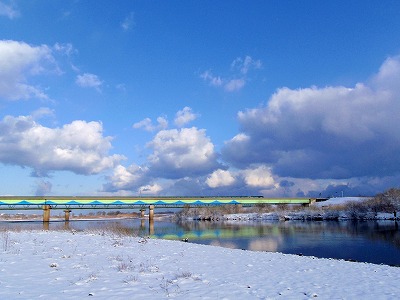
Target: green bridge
(63, 202)
(114, 202)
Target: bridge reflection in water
(220, 233)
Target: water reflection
(369, 241)
(265, 244)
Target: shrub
(388, 201)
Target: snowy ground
(65, 265)
(340, 201)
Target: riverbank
(71, 265)
(334, 209)
(311, 216)
(20, 217)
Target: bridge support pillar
(46, 213)
(67, 211)
(142, 212)
(311, 202)
(151, 212)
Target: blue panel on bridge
(179, 203)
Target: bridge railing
(72, 202)
(27, 202)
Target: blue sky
(272, 98)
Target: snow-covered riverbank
(65, 265)
(332, 209)
(311, 215)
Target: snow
(104, 265)
(340, 201)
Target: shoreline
(296, 216)
(39, 218)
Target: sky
(199, 98)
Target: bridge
(114, 202)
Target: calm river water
(366, 241)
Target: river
(364, 241)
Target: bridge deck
(34, 202)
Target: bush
(388, 201)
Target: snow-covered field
(67, 265)
(340, 201)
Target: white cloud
(234, 85)
(78, 147)
(89, 80)
(241, 137)
(246, 64)
(211, 79)
(184, 116)
(236, 82)
(148, 125)
(66, 49)
(330, 132)
(220, 178)
(123, 176)
(152, 189)
(133, 179)
(229, 85)
(18, 62)
(260, 176)
(179, 153)
(128, 22)
(8, 11)
(42, 112)
(130, 178)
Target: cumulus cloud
(331, 132)
(220, 178)
(8, 11)
(184, 116)
(18, 62)
(241, 67)
(260, 176)
(147, 124)
(133, 179)
(186, 186)
(126, 178)
(183, 152)
(78, 147)
(89, 80)
(150, 189)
